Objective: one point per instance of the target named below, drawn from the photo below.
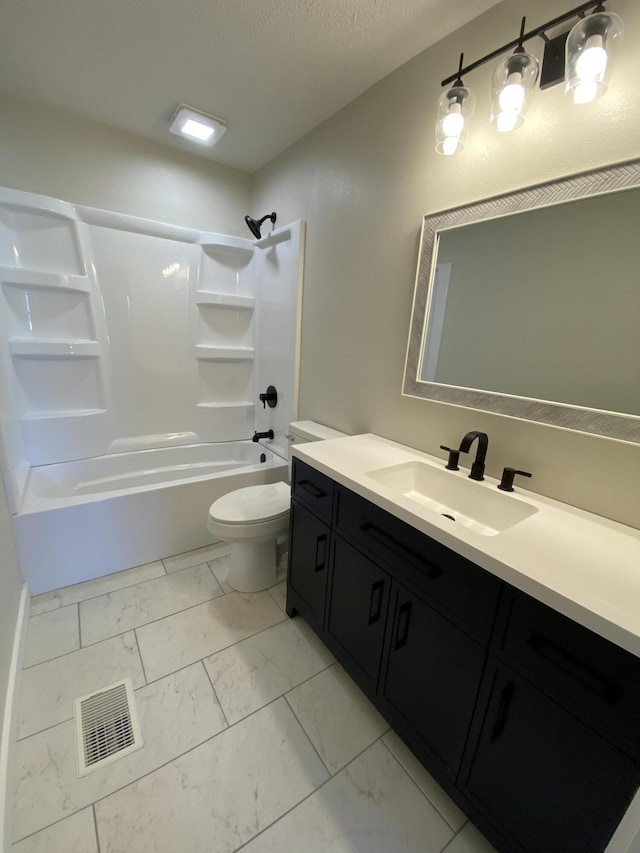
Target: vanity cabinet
(527, 719)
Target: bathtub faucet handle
(271, 397)
(258, 435)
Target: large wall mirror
(528, 305)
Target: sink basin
(461, 500)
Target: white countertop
(585, 566)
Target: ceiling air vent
(107, 726)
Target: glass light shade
(513, 80)
(455, 108)
(589, 50)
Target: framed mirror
(528, 305)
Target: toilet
(253, 519)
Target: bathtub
(82, 520)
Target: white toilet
(251, 520)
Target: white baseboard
(10, 721)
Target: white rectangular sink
(461, 500)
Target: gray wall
(363, 181)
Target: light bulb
(592, 62)
(450, 145)
(507, 120)
(512, 95)
(453, 122)
(585, 92)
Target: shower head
(254, 226)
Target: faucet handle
(454, 457)
(506, 484)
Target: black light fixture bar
(538, 31)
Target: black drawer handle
(375, 604)
(402, 625)
(503, 710)
(321, 552)
(388, 541)
(311, 488)
(574, 668)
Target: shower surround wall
(122, 334)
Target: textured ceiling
(273, 69)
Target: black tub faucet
(258, 435)
(477, 468)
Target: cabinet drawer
(598, 681)
(313, 489)
(459, 589)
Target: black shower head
(254, 226)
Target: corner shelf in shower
(33, 279)
(214, 353)
(62, 414)
(43, 348)
(210, 299)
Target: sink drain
(446, 515)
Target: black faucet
(477, 469)
(258, 435)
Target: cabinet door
(358, 604)
(308, 559)
(546, 779)
(432, 677)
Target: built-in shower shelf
(211, 353)
(30, 348)
(241, 404)
(224, 300)
(34, 280)
(62, 414)
(273, 239)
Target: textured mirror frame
(597, 182)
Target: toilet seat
(252, 505)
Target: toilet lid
(254, 503)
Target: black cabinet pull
(402, 625)
(388, 541)
(574, 667)
(375, 604)
(321, 552)
(503, 709)
(313, 490)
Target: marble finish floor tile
(47, 690)
(75, 834)
(181, 639)
(470, 840)
(279, 594)
(99, 586)
(194, 558)
(176, 714)
(371, 806)
(256, 671)
(220, 568)
(337, 716)
(218, 796)
(52, 634)
(124, 609)
(425, 781)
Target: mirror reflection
(543, 304)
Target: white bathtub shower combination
(132, 355)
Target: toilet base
(252, 566)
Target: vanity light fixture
(197, 126)
(512, 82)
(589, 48)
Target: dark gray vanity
(527, 719)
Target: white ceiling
(273, 69)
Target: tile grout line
(214, 692)
(433, 805)
(306, 734)
(315, 791)
(95, 825)
(144, 672)
(451, 840)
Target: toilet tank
(304, 431)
